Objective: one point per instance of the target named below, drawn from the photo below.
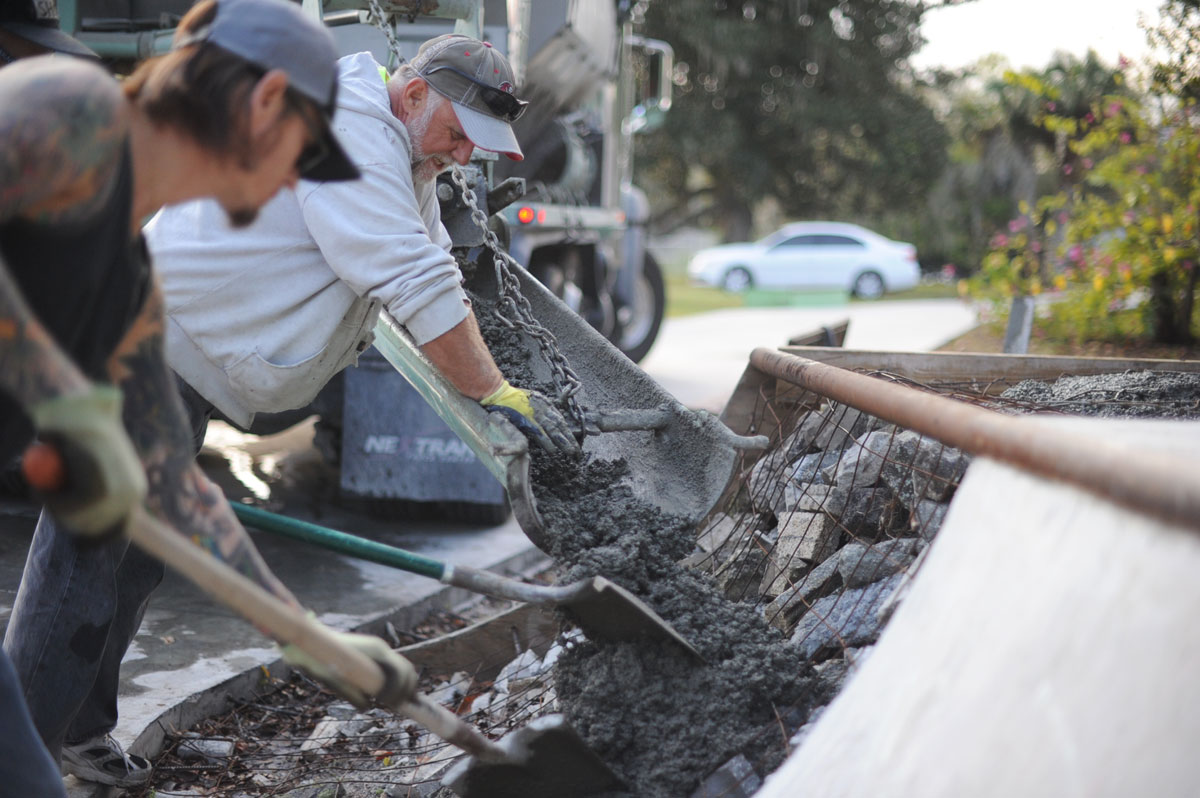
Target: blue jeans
(78, 607)
(26, 768)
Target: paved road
(699, 358)
(189, 648)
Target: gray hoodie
(258, 320)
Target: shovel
(602, 607)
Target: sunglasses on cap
(498, 101)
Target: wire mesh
(824, 529)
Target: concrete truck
(569, 212)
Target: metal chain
(515, 312)
(381, 21)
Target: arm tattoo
(32, 366)
(63, 126)
(157, 423)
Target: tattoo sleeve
(63, 124)
(157, 423)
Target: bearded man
(259, 320)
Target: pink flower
(1036, 246)
(1062, 217)
(1089, 118)
(1067, 169)
(1087, 163)
(1123, 62)
(1015, 224)
(1000, 240)
(1075, 253)
(1113, 109)
(1127, 217)
(1141, 170)
(1052, 106)
(1125, 137)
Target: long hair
(199, 90)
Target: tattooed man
(239, 108)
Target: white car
(812, 255)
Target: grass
(685, 298)
(989, 339)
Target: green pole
(331, 539)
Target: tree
(1130, 208)
(1004, 155)
(808, 102)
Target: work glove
(97, 480)
(533, 415)
(399, 675)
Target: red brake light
(525, 215)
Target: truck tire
(637, 335)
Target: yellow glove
(99, 479)
(399, 675)
(533, 415)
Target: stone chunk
(741, 574)
(717, 533)
(862, 462)
(850, 618)
(860, 565)
(735, 779)
(810, 467)
(866, 513)
(804, 539)
(806, 496)
(923, 468)
(927, 518)
(831, 428)
(792, 603)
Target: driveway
(700, 358)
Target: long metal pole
(1158, 484)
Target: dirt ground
(989, 338)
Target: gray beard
(425, 168)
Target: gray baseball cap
(478, 81)
(276, 34)
(37, 21)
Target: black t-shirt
(85, 281)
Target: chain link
(381, 21)
(515, 312)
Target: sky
(1028, 32)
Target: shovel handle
(290, 625)
(334, 540)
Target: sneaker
(102, 760)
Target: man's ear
(413, 97)
(268, 101)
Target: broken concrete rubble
(850, 618)
(804, 539)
